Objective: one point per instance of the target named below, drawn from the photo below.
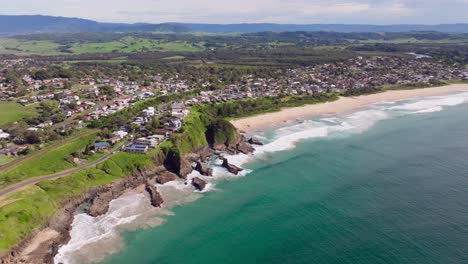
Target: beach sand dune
(343, 104)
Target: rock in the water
(232, 149)
(166, 176)
(245, 148)
(219, 147)
(255, 141)
(203, 169)
(100, 204)
(185, 168)
(199, 184)
(155, 197)
(230, 167)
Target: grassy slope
(11, 112)
(130, 44)
(51, 162)
(22, 47)
(125, 45)
(30, 209)
(4, 160)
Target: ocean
(387, 183)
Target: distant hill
(16, 25)
(251, 28)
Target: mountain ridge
(29, 24)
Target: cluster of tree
(246, 40)
(124, 117)
(22, 135)
(247, 107)
(448, 53)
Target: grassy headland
(54, 160)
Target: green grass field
(21, 47)
(124, 45)
(130, 44)
(5, 159)
(51, 162)
(29, 209)
(11, 112)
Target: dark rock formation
(199, 184)
(245, 148)
(219, 147)
(155, 197)
(255, 141)
(165, 177)
(185, 168)
(203, 169)
(230, 167)
(61, 222)
(99, 198)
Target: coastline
(343, 104)
(40, 244)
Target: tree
(106, 90)
(146, 83)
(40, 75)
(32, 137)
(60, 118)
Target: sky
(249, 11)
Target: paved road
(29, 182)
(18, 162)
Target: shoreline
(343, 104)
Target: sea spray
(105, 234)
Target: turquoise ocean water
(388, 184)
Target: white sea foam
(432, 104)
(103, 232)
(431, 110)
(89, 234)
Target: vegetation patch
(11, 112)
(53, 161)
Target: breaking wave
(94, 238)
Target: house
(114, 140)
(101, 146)
(175, 122)
(149, 112)
(139, 149)
(13, 150)
(177, 108)
(158, 138)
(163, 132)
(150, 142)
(121, 134)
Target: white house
(120, 134)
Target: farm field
(11, 112)
(28, 47)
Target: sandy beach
(343, 104)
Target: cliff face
(194, 143)
(200, 136)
